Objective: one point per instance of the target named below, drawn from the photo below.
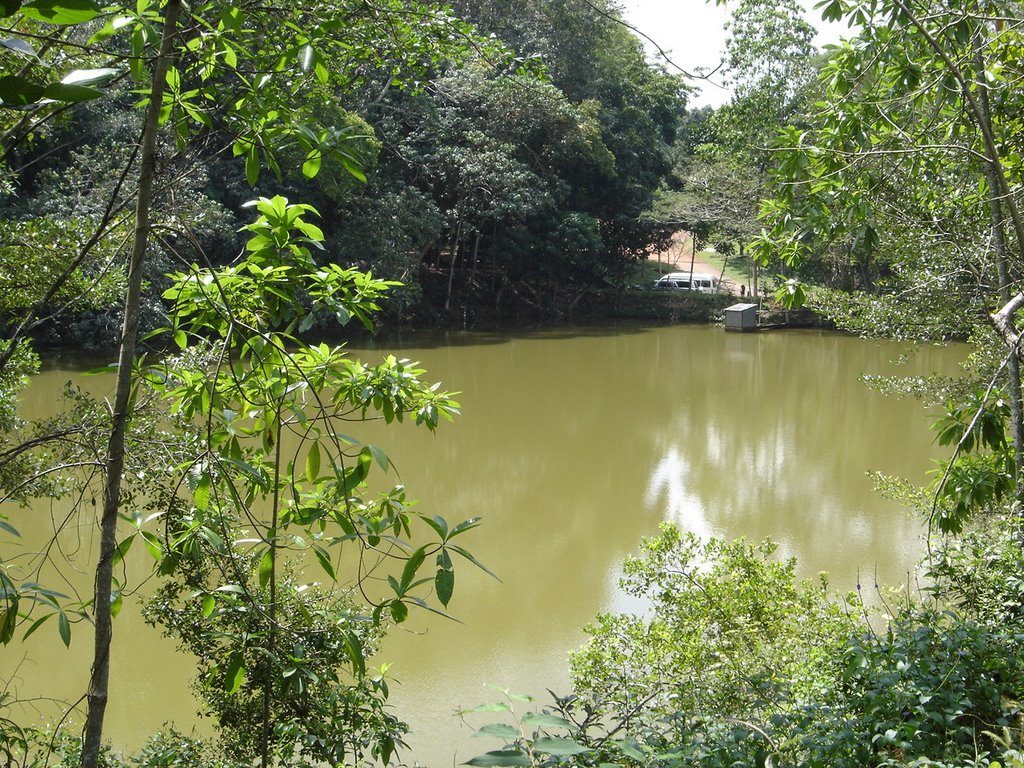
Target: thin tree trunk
(476, 260)
(271, 678)
(693, 256)
(99, 679)
(451, 270)
(753, 288)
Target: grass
(732, 271)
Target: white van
(685, 281)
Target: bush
(739, 664)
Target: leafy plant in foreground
(737, 664)
(272, 482)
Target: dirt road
(679, 256)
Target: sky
(692, 32)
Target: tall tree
(770, 60)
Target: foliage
(516, 166)
(720, 172)
(769, 60)
(271, 477)
(261, 81)
(318, 713)
(719, 639)
(45, 748)
(980, 474)
(979, 571)
(904, 183)
(934, 686)
(905, 155)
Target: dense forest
(212, 189)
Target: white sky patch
(693, 33)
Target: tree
(770, 62)
(274, 478)
(601, 67)
(914, 150)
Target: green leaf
(444, 585)
(354, 647)
(545, 720)
(439, 524)
(201, 494)
(466, 554)
(444, 560)
(61, 11)
(153, 544)
(252, 166)
(311, 166)
(116, 604)
(19, 46)
(465, 525)
(35, 625)
(72, 94)
(122, 549)
(306, 57)
(64, 628)
(313, 462)
(496, 706)
(9, 618)
(555, 745)
(412, 565)
(89, 76)
(499, 730)
(235, 673)
(137, 62)
(209, 604)
(325, 561)
(512, 757)
(399, 611)
(380, 457)
(5, 526)
(108, 368)
(111, 28)
(266, 567)
(630, 749)
(9, 7)
(18, 92)
(353, 169)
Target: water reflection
(668, 489)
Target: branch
(1003, 322)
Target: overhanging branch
(1003, 322)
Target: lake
(573, 444)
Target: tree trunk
(99, 678)
(266, 729)
(451, 270)
(693, 255)
(753, 270)
(476, 260)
